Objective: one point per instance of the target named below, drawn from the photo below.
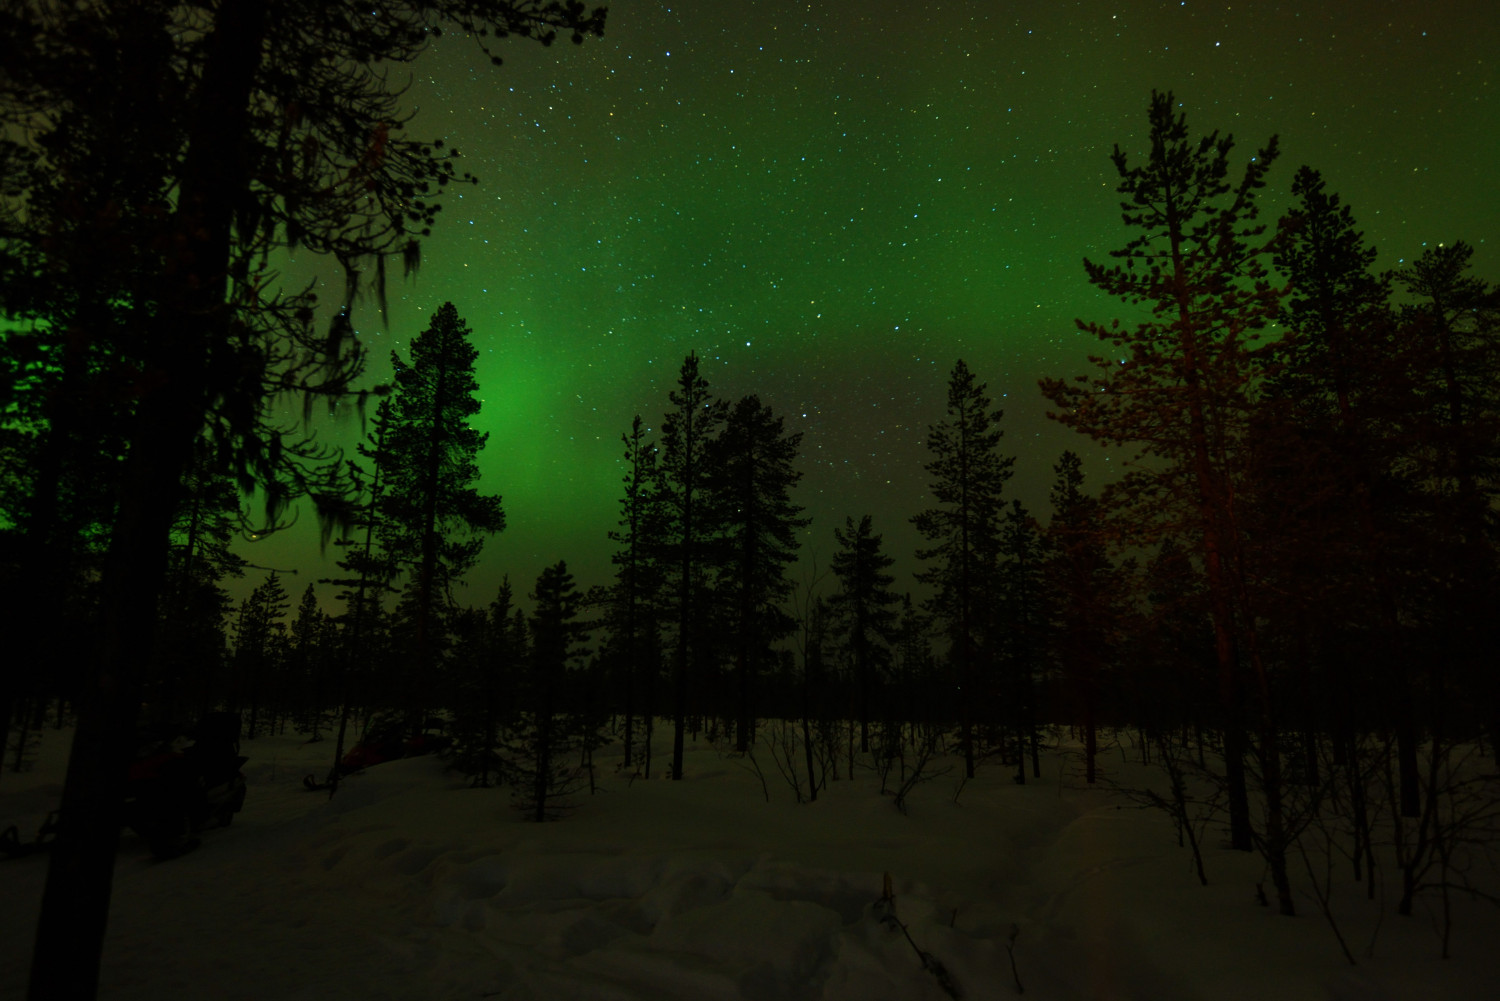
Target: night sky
(831, 202)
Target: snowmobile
(180, 783)
(385, 739)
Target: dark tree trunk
(1406, 754)
(742, 716)
(75, 901)
(1020, 755)
(649, 709)
(807, 740)
(679, 703)
(966, 676)
(684, 605)
(862, 671)
(1234, 781)
(168, 418)
(1036, 752)
(543, 757)
(631, 647)
(1090, 738)
(427, 569)
(1276, 838)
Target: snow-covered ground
(411, 885)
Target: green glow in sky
(832, 202)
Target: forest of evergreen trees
(1290, 593)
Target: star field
(831, 203)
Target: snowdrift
(411, 885)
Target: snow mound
(411, 885)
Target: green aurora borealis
(831, 202)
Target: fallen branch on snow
(886, 908)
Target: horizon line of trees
(1298, 570)
(1297, 567)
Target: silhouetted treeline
(1304, 543)
(1288, 595)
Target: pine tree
(751, 481)
(368, 573)
(1181, 387)
(811, 617)
(545, 734)
(968, 476)
(306, 664)
(591, 706)
(1024, 615)
(489, 657)
(1343, 377)
(1083, 588)
(258, 648)
(1454, 317)
(1170, 655)
(1332, 308)
(638, 577)
(435, 517)
(1457, 316)
(683, 488)
(864, 607)
(913, 665)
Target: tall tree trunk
(80, 873)
(742, 721)
(543, 748)
(685, 599)
(427, 568)
(631, 646)
(168, 418)
(679, 688)
(807, 739)
(1090, 731)
(967, 687)
(649, 709)
(862, 672)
